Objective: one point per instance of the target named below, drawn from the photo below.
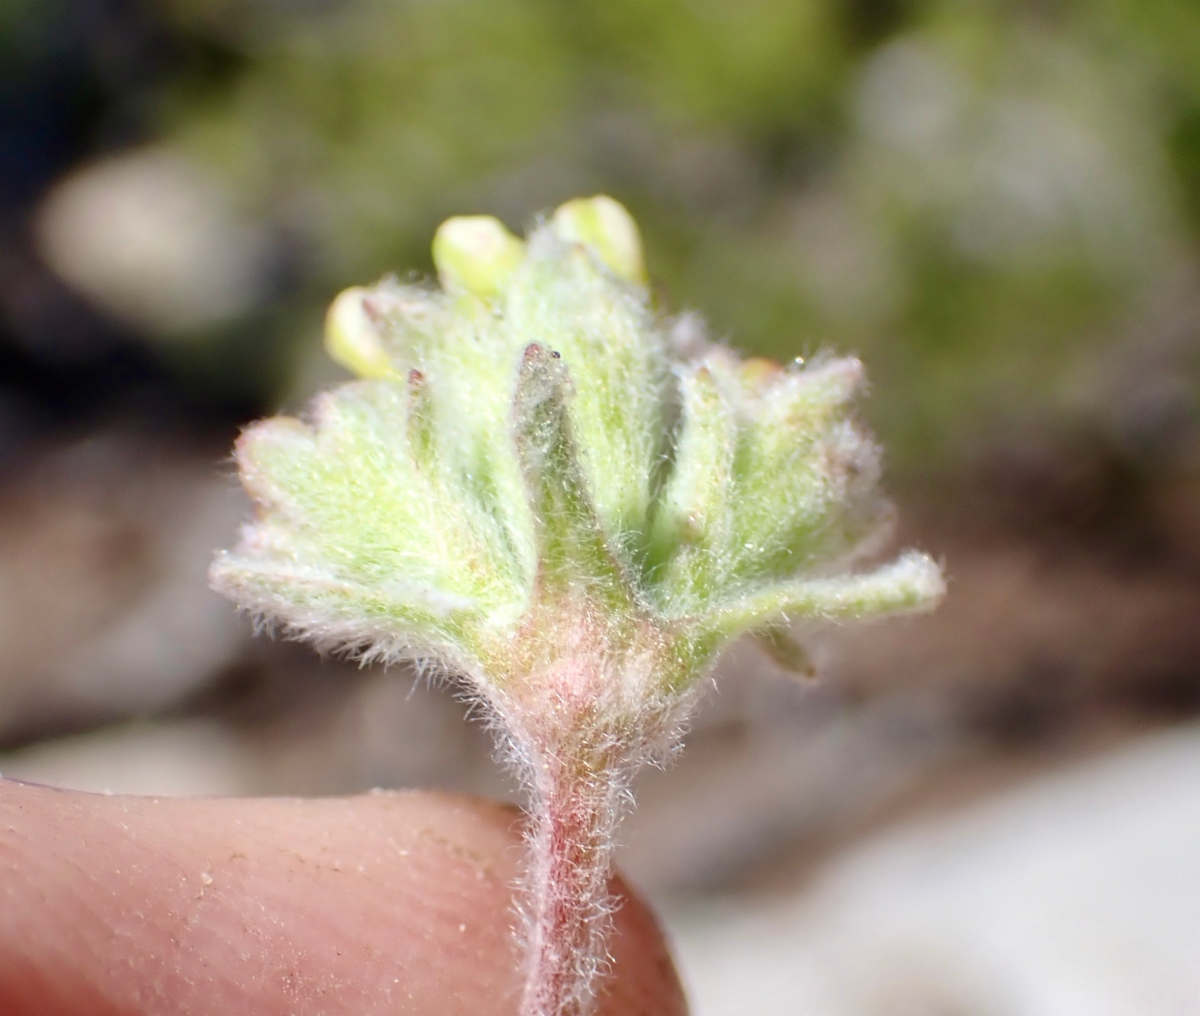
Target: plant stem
(575, 809)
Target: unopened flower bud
(604, 226)
(476, 253)
(352, 338)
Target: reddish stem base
(575, 812)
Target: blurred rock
(280, 720)
(104, 607)
(153, 241)
(193, 757)
(322, 726)
(376, 730)
(1076, 895)
(771, 763)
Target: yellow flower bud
(476, 253)
(351, 337)
(608, 229)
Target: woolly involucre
(541, 487)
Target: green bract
(535, 489)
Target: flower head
(527, 454)
(535, 487)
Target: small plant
(543, 488)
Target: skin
(391, 903)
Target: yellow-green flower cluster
(528, 455)
(540, 486)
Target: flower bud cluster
(532, 486)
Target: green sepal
(909, 584)
(421, 435)
(693, 526)
(574, 558)
(608, 338)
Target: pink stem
(576, 808)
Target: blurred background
(992, 811)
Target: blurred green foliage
(985, 199)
